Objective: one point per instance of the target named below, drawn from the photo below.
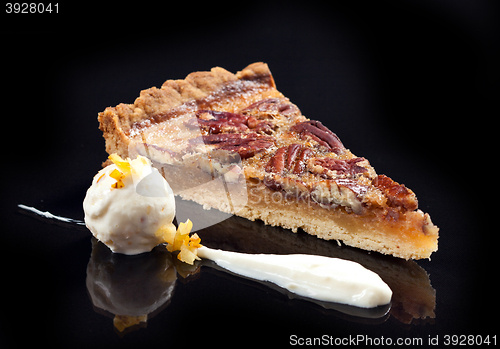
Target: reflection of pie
(296, 172)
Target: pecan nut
(277, 162)
(271, 107)
(215, 122)
(340, 192)
(291, 159)
(260, 126)
(398, 196)
(320, 133)
(245, 144)
(290, 186)
(330, 168)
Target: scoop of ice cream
(127, 204)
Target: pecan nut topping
(288, 161)
(320, 133)
(215, 122)
(270, 107)
(340, 192)
(398, 196)
(330, 167)
(245, 144)
(291, 159)
(260, 126)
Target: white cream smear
(321, 278)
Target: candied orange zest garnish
(121, 322)
(129, 167)
(194, 241)
(100, 177)
(115, 174)
(185, 228)
(166, 233)
(123, 165)
(182, 242)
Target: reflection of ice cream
(126, 205)
(132, 289)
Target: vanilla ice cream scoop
(126, 205)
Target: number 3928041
(32, 7)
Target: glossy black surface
(407, 85)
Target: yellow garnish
(181, 241)
(100, 177)
(127, 167)
(166, 233)
(123, 165)
(194, 241)
(119, 179)
(185, 228)
(122, 322)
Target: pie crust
(233, 142)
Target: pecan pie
(237, 132)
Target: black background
(410, 85)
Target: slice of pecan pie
(233, 142)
